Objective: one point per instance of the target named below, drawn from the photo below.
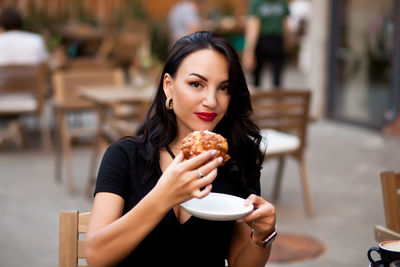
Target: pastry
(198, 142)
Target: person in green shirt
(264, 38)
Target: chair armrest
(382, 233)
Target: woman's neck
(175, 147)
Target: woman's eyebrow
(205, 79)
(200, 76)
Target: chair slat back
(88, 64)
(68, 83)
(73, 226)
(284, 110)
(25, 79)
(390, 182)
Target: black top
(196, 242)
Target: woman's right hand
(181, 180)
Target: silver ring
(251, 224)
(201, 175)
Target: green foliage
(227, 8)
(82, 14)
(136, 10)
(159, 42)
(130, 10)
(36, 19)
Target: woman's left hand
(262, 219)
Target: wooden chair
(125, 120)
(283, 117)
(87, 64)
(127, 47)
(390, 182)
(73, 226)
(101, 60)
(67, 100)
(23, 92)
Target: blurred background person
(184, 19)
(300, 25)
(18, 48)
(22, 47)
(266, 27)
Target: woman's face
(199, 91)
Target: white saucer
(217, 207)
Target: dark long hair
(160, 128)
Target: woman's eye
(224, 87)
(195, 84)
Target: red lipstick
(206, 116)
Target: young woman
(136, 217)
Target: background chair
(67, 101)
(71, 247)
(283, 117)
(390, 182)
(23, 92)
(101, 60)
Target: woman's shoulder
(131, 146)
(128, 141)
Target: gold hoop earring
(168, 104)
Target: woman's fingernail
(213, 152)
(240, 221)
(247, 202)
(220, 159)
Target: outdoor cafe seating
(72, 227)
(283, 116)
(67, 102)
(390, 183)
(23, 92)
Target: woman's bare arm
(252, 32)
(244, 251)
(111, 238)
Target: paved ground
(344, 165)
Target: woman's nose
(210, 99)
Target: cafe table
(104, 98)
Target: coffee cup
(388, 250)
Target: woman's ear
(167, 85)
